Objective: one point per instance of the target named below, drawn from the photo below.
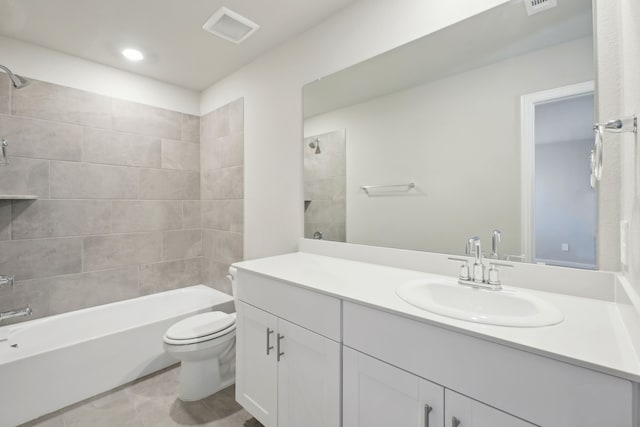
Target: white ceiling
(169, 32)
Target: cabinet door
(471, 413)
(380, 395)
(308, 378)
(256, 364)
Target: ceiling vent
(535, 6)
(230, 25)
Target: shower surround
(119, 210)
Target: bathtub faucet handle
(6, 315)
(7, 280)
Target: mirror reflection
(448, 137)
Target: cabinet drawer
(311, 310)
(542, 390)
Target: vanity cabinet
(464, 412)
(534, 388)
(377, 394)
(286, 375)
(305, 358)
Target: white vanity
(324, 341)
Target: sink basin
(504, 308)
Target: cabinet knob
(269, 346)
(280, 353)
(455, 422)
(427, 411)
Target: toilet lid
(201, 325)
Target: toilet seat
(200, 328)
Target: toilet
(205, 344)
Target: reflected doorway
(563, 206)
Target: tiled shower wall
(119, 211)
(222, 172)
(325, 186)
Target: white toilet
(206, 346)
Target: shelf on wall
(18, 197)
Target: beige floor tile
(152, 402)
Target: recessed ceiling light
(133, 55)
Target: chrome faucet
(474, 246)
(476, 277)
(496, 237)
(7, 280)
(6, 315)
(3, 147)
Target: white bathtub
(49, 363)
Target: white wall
(458, 139)
(55, 67)
(272, 89)
(630, 88)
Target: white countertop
(593, 334)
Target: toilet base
(200, 379)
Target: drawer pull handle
(427, 411)
(269, 346)
(280, 353)
(455, 422)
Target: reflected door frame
(528, 105)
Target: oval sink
(502, 308)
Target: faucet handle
(494, 273)
(8, 280)
(464, 268)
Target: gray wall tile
(235, 112)
(169, 275)
(30, 292)
(59, 218)
(214, 275)
(146, 120)
(132, 216)
(102, 252)
(96, 164)
(224, 183)
(90, 181)
(222, 246)
(5, 94)
(29, 259)
(165, 184)
(190, 128)
(181, 244)
(25, 176)
(180, 155)
(78, 291)
(63, 104)
(191, 214)
(41, 139)
(5, 219)
(222, 152)
(213, 125)
(225, 215)
(116, 148)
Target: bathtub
(49, 363)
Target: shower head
(315, 144)
(17, 81)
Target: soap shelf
(18, 197)
(371, 190)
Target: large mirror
(483, 128)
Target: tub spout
(6, 315)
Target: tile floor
(151, 402)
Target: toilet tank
(232, 277)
